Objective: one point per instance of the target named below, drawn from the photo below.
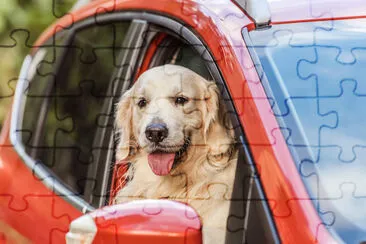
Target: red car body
(29, 209)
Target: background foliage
(21, 22)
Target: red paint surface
(148, 221)
(26, 204)
(150, 53)
(197, 15)
(219, 24)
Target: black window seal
(259, 70)
(99, 193)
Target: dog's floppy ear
(218, 136)
(212, 106)
(124, 125)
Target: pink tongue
(161, 163)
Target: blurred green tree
(21, 22)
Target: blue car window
(315, 79)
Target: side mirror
(142, 221)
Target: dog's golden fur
(204, 177)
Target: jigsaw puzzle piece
(105, 121)
(339, 58)
(310, 9)
(44, 208)
(87, 45)
(301, 35)
(18, 38)
(102, 9)
(29, 203)
(320, 224)
(329, 71)
(349, 131)
(92, 62)
(5, 199)
(21, 24)
(7, 90)
(336, 189)
(190, 9)
(10, 89)
(153, 208)
(348, 211)
(246, 204)
(157, 208)
(321, 11)
(284, 56)
(84, 53)
(331, 172)
(339, 37)
(62, 8)
(302, 134)
(281, 60)
(150, 215)
(59, 152)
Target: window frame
(100, 195)
(42, 172)
(256, 212)
(184, 32)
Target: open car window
(172, 49)
(65, 126)
(65, 103)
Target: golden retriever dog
(172, 133)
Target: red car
(57, 145)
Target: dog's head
(167, 110)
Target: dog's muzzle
(161, 163)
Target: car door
(168, 41)
(62, 124)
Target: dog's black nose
(156, 132)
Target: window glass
(318, 94)
(67, 100)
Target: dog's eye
(180, 100)
(142, 102)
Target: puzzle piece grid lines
(326, 94)
(326, 148)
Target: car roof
(287, 11)
(290, 11)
